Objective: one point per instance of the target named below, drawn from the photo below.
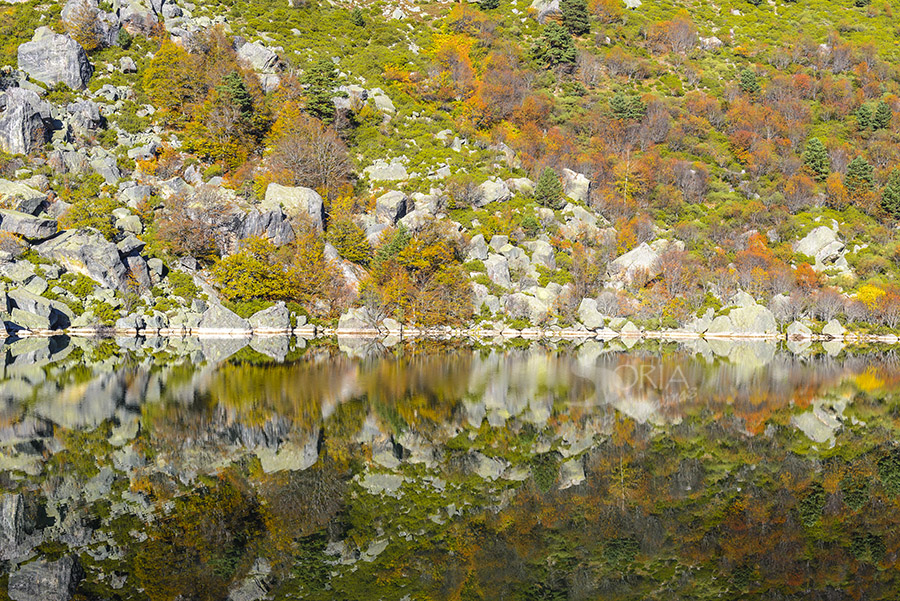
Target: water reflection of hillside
(197, 393)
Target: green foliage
(488, 4)
(356, 17)
(233, 88)
(815, 157)
(575, 16)
(183, 285)
(889, 472)
(855, 490)
(246, 308)
(126, 118)
(748, 82)
(868, 547)
(320, 81)
(883, 115)
(89, 209)
(860, 176)
(548, 190)
(627, 107)
(544, 470)
(811, 504)
(620, 552)
(350, 240)
(864, 116)
(124, 39)
(555, 47)
(393, 247)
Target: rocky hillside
(562, 166)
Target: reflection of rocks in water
(822, 422)
(361, 348)
(216, 350)
(45, 581)
(749, 355)
(275, 347)
(291, 455)
(26, 357)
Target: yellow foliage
(869, 295)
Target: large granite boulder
(589, 315)
(356, 320)
(21, 197)
(382, 171)
(642, 261)
(497, 267)
(276, 318)
(220, 319)
(826, 248)
(272, 224)
(575, 185)
(42, 313)
(51, 58)
(45, 580)
(297, 202)
(137, 17)
(22, 126)
(745, 318)
(257, 57)
(12, 524)
(27, 226)
(391, 207)
(493, 190)
(87, 252)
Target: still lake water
(206, 469)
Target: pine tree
(748, 82)
(815, 157)
(575, 16)
(489, 4)
(234, 89)
(863, 116)
(320, 81)
(860, 176)
(883, 116)
(356, 17)
(890, 195)
(627, 107)
(548, 191)
(555, 47)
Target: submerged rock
(45, 581)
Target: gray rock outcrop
(22, 126)
(45, 580)
(51, 58)
(297, 202)
(391, 207)
(87, 252)
(28, 226)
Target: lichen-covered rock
(28, 226)
(640, 262)
(22, 197)
(297, 202)
(51, 58)
(575, 185)
(589, 315)
(392, 206)
(493, 190)
(271, 224)
(87, 252)
(798, 331)
(23, 126)
(356, 320)
(498, 270)
(45, 580)
(834, 329)
(220, 319)
(257, 57)
(276, 318)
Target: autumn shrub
(255, 272)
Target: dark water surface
(189, 469)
